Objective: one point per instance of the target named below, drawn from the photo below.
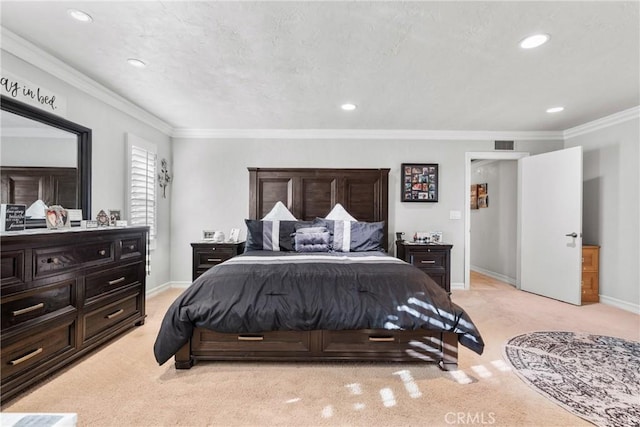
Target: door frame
(487, 155)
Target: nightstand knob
(213, 249)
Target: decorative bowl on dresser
(432, 258)
(209, 254)
(63, 293)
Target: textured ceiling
(407, 65)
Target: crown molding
(604, 122)
(367, 134)
(37, 57)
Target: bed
(288, 305)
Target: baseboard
(457, 286)
(181, 285)
(494, 275)
(624, 305)
(168, 285)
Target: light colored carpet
(121, 385)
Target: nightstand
(209, 254)
(432, 258)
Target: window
(142, 196)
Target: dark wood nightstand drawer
(98, 284)
(207, 258)
(430, 259)
(20, 308)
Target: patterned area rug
(595, 377)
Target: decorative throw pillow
(270, 235)
(311, 239)
(349, 236)
(339, 213)
(279, 212)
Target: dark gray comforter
(267, 291)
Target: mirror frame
(84, 144)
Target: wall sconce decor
(164, 178)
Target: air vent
(504, 145)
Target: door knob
(574, 235)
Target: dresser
(432, 258)
(208, 254)
(590, 272)
(64, 293)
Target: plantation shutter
(142, 188)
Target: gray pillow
(354, 236)
(271, 235)
(311, 239)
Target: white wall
(211, 184)
(493, 229)
(611, 206)
(109, 126)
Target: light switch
(455, 214)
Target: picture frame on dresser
(419, 182)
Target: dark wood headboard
(311, 193)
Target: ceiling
(407, 65)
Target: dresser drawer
(12, 268)
(55, 260)
(275, 341)
(590, 259)
(132, 248)
(19, 308)
(108, 316)
(37, 349)
(590, 287)
(97, 284)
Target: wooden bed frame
(311, 193)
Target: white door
(551, 224)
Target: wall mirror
(43, 156)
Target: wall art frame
(419, 182)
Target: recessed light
(534, 41)
(555, 109)
(79, 15)
(348, 107)
(136, 63)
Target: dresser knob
(102, 252)
(132, 247)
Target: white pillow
(338, 213)
(279, 213)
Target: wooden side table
(209, 254)
(432, 258)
